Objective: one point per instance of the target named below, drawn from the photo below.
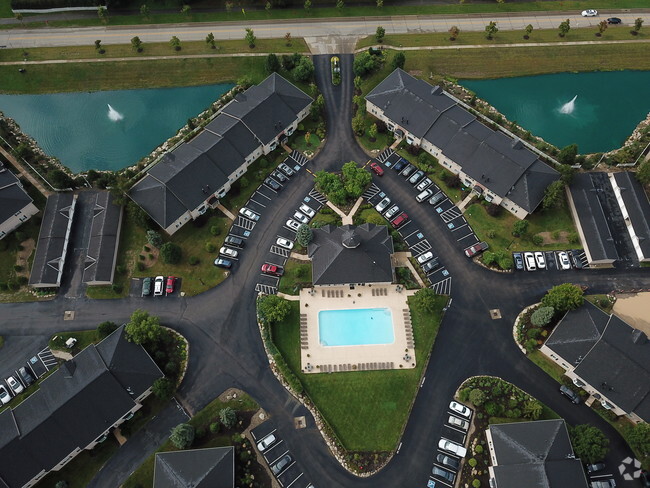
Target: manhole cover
(300, 422)
(495, 313)
(68, 315)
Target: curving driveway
(226, 350)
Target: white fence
(55, 10)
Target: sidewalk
(26, 174)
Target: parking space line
(260, 193)
(438, 480)
(464, 237)
(458, 228)
(297, 478)
(417, 230)
(260, 204)
(278, 458)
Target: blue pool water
(366, 326)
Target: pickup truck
(475, 249)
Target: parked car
(281, 464)
(15, 385)
(592, 468)
(272, 184)
(379, 171)
(456, 422)
(563, 257)
(146, 286)
(300, 217)
(400, 220)
(272, 269)
(234, 241)
(448, 461)
(577, 258)
(265, 443)
(529, 258)
(307, 210)
(614, 20)
(589, 13)
(388, 214)
(5, 397)
(610, 483)
(476, 248)
(285, 243)
(416, 177)
(437, 198)
(423, 184)
(519, 260)
(570, 394)
(539, 260)
(461, 409)
(381, 206)
(443, 473)
(425, 195)
(408, 169)
(223, 263)
(400, 164)
(424, 257)
(285, 169)
(645, 479)
(452, 447)
(228, 252)
(26, 376)
(430, 266)
(293, 224)
(158, 285)
(171, 281)
(279, 176)
(249, 214)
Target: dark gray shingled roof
(13, 197)
(104, 239)
(369, 262)
(53, 238)
(535, 455)
(73, 407)
(598, 238)
(197, 468)
(504, 166)
(637, 206)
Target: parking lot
(292, 475)
(562, 261)
(35, 366)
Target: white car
(452, 447)
(460, 409)
(381, 206)
(293, 224)
(249, 214)
(529, 259)
(424, 257)
(265, 443)
(158, 286)
(300, 217)
(564, 260)
(539, 258)
(15, 385)
(590, 13)
(285, 243)
(423, 184)
(307, 210)
(456, 422)
(425, 195)
(391, 212)
(228, 252)
(5, 397)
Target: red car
(475, 249)
(272, 269)
(171, 281)
(377, 169)
(399, 220)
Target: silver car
(381, 206)
(423, 184)
(307, 210)
(282, 464)
(391, 212)
(249, 214)
(300, 217)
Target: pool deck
(315, 358)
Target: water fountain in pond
(113, 114)
(569, 107)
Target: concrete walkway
(26, 174)
(299, 257)
(401, 260)
(226, 212)
(337, 210)
(293, 298)
(465, 202)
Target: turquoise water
(609, 105)
(78, 129)
(366, 326)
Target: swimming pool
(355, 327)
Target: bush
(228, 417)
(563, 298)
(493, 210)
(472, 462)
(304, 235)
(182, 436)
(140, 265)
(476, 483)
(117, 288)
(154, 238)
(163, 388)
(463, 395)
(537, 240)
(215, 230)
(209, 247)
(365, 63)
(106, 328)
(215, 427)
(193, 260)
(542, 316)
(171, 253)
(478, 449)
(589, 443)
(477, 397)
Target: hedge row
(44, 4)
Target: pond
(107, 130)
(597, 110)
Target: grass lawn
(549, 367)
(84, 339)
(296, 273)
(367, 409)
(601, 301)
(381, 142)
(613, 33)
(326, 216)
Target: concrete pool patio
(316, 358)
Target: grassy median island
(367, 410)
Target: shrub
(534, 333)
(463, 395)
(215, 230)
(171, 253)
(478, 449)
(117, 288)
(542, 316)
(228, 417)
(519, 228)
(163, 388)
(304, 235)
(182, 436)
(193, 260)
(477, 397)
(154, 238)
(209, 247)
(106, 328)
(537, 240)
(476, 483)
(472, 462)
(493, 210)
(215, 427)
(563, 298)
(18, 267)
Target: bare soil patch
(23, 255)
(562, 237)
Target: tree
(19, 17)
(639, 437)
(308, 138)
(568, 154)
(154, 238)
(143, 328)
(398, 60)
(268, 7)
(453, 32)
(564, 297)
(228, 417)
(365, 63)
(98, 46)
(272, 308)
(287, 39)
(175, 43)
(307, 5)
(372, 132)
(171, 253)
(59, 179)
(102, 13)
(602, 27)
(355, 179)
(136, 44)
(304, 69)
(250, 38)
(304, 235)
(542, 316)
(477, 397)
(144, 10)
(209, 40)
(331, 186)
(359, 124)
(340, 4)
(565, 27)
(163, 388)
(106, 328)
(643, 174)
(554, 195)
(272, 63)
(186, 9)
(637, 24)
(533, 409)
(358, 81)
(380, 33)
(229, 6)
(380, 3)
(182, 436)
(425, 300)
(519, 228)
(491, 29)
(528, 30)
(589, 443)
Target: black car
(431, 265)
(448, 461)
(399, 165)
(279, 176)
(234, 241)
(614, 20)
(576, 258)
(592, 468)
(443, 473)
(272, 184)
(25, 376)
(645, 479)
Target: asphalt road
(314, 30)
(226, 350)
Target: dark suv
(570, 394)
(234, 241)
